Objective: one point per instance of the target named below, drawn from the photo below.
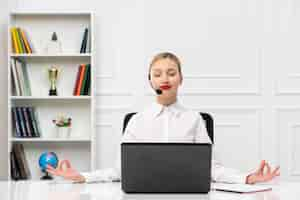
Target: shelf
(70, 28)
(50, 140)
(50, 55)
(50, 98)
(51, 13)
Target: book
(88, 81)
(23, 48)
(20, 75)
(22, 122)
(18, 40)
(33, 117)
(14, 170)
(15, 47)
(15, 78)
(26, 42)
(16, 123)
(26, 78)
(84, 81)
(81, 80)
(21, 161)
(77, 80)
(84, 41)
(22, 85)
(27, 122)
(240, 188)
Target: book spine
(28, 41)
(14, 172)
(22, 122)
(80, 79)
(24, 160)
(33, 121)
(15, 77)
(26, 78)
(36, 119)
(88, 82)
(21, 76)
(84, 82)
(27, 122)
(77, 80)
(18, 50)
(19, 160)
(82, 49)
(85, 40)
(14, 40)
(16, 121)
(27, 47)
(20, 41)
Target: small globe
(48, 158)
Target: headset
(158, 91)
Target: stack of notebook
(19, 165)
(20, 78)
(25, 122)
(83, 80)
(20, 41)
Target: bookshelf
(79, 147)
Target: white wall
(4, 11)
(240, 63)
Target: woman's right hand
(65, 170)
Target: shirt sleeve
(219, 173)
(105, 175)
(102, 175)
(113, 174)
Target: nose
(165, 78)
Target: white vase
(63, 132)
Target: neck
(166, 101)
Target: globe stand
(46, 177)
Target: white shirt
(173, 123)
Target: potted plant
(63, 126)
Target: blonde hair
(165, 55)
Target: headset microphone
(158, 91)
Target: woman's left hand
(261, 175)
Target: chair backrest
(209, 122)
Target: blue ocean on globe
(48, 158)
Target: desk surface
(36, 190)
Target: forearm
(103, 175)
(223, 174)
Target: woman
(167, 121)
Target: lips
(165, 87)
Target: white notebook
(240, 188)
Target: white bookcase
(79, 148)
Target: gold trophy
(53, 74)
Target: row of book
(25, 122)
(20, 78)
(20, 40)
(83, 80)
(19, 166)
(85, 41)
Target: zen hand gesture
(65, 170)
(263, 174)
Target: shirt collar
(157, 108)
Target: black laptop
(166, 167)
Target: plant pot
(63, 132)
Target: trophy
(53, 73)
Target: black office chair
(209, 122)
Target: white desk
(37, 190)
